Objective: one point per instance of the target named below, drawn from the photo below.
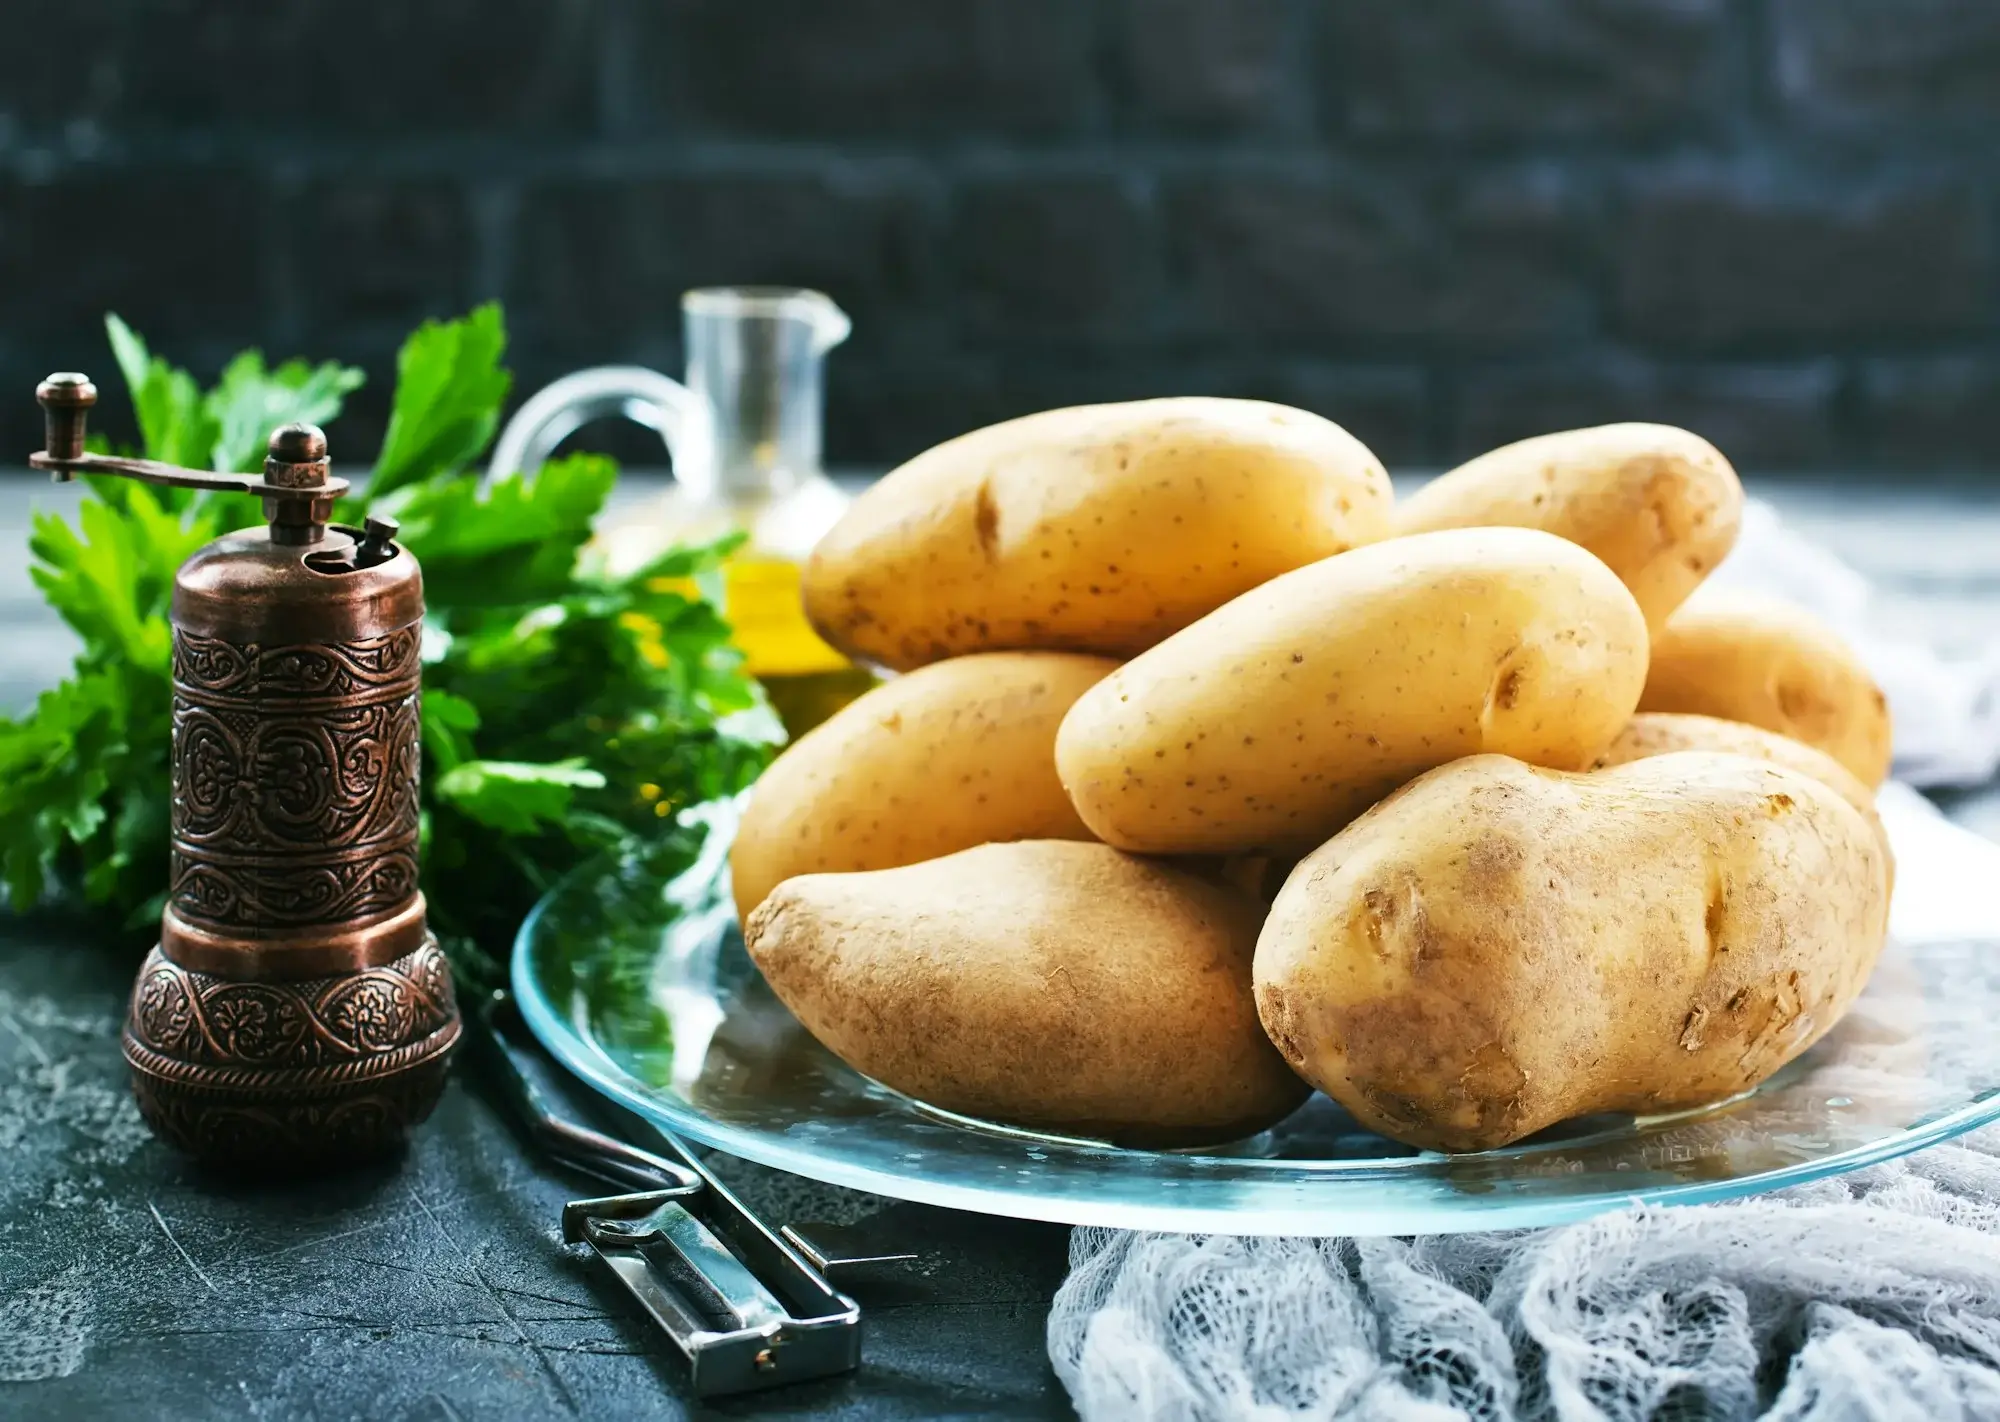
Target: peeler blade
(743, 1303)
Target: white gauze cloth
(1873, 1296)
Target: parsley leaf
(450, 386)
(516, 798)
(514, 542)
(448, 724)
(175, 423)
(250, 401)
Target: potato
(1277, 718)
(955, 754)
(1061, 986)
(1653, 733)
(1769, 664)
(1660, 506)
(1496, 948)
(1100, 528)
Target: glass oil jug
(744, 436)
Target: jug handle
(644, 396)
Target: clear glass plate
(647, 994)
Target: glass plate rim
(585, 1060)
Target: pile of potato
(1216, 776)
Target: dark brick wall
(1447, 223)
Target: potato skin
(1049, 984)
(1496, 948)
(1659, 505)
(1100, 528)
(952, 755)
(1770, 664)
(1277, 718)
(1652, 733)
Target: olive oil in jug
(744, 432)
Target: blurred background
(1446, 224)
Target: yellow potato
(952, 755)
(1100, 528)
(1496, 948)
(1049, 984)
(1652, 733)
(1279, 717)
(1770, 664)
(1659, 505)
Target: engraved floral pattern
(200, 1019)
(308, 751)
(279, 1076)
(253, 1022)
(292, 761)
(369, 1014)
(206, 768)
(161, 999)
(281, 895)
(212, 664)
(248, 670)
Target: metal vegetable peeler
(747, 1306)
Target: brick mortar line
(1803, 160)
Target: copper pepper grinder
(297, 1012)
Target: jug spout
(830, 322)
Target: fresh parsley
(567, 712)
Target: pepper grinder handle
(66, 398)
(297, 488)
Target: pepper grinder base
(276, 1077)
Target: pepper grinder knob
(378, 539)
(296, 458)
(66, 398)
(297, 444)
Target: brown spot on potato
(1802, 705)
(1492, 861)
(1786, 999)
(1491, 1084)
(1694, 1030)
(1379, 915)
(986, 519)
(1280, 1021)
(1503, 692)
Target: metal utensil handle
(737, 1299)
(591, 1151)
